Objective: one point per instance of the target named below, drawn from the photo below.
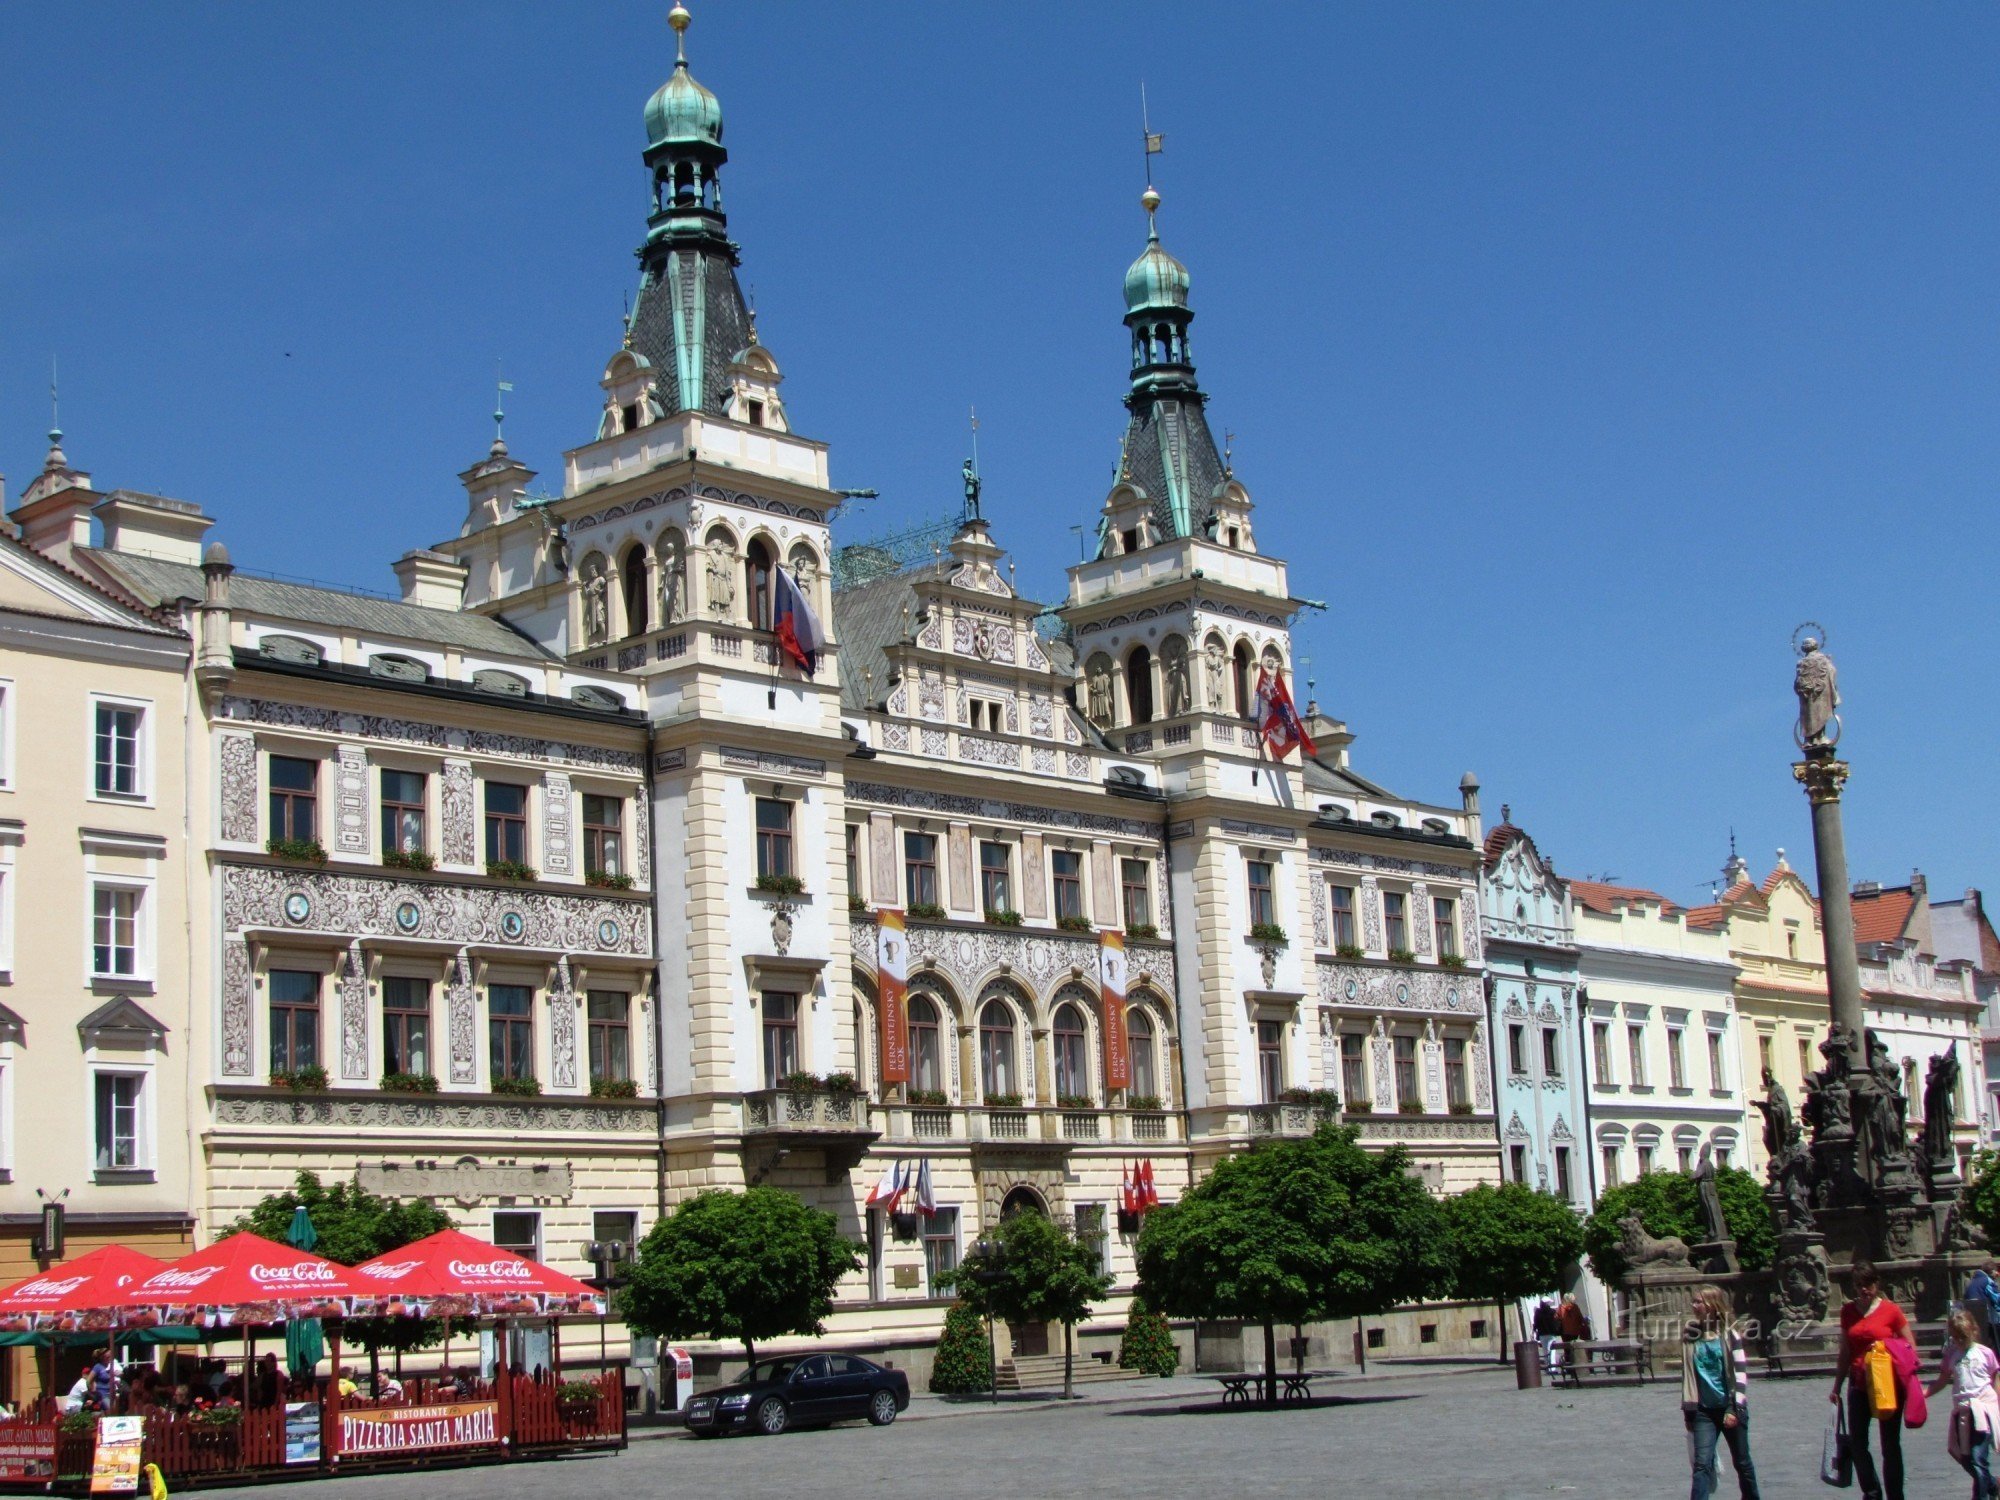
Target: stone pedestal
(1717, 1257)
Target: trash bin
(1527, 1364)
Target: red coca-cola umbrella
(450, 1274)
(245, 1279)
(77, 1296)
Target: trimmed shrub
(963, 1363)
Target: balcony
(840, 1125)
(1029, 1127)
(1288, 1121)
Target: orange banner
(1111, 988)
(892, 969)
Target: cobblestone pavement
(1456, 1433)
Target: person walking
(1715, 1393)
(1866, 1320)
(1982, 1300)
(1973, 1373)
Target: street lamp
(606, 1256)
(986, 1264)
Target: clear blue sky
(1576, 353)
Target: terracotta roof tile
(1595, 895)
(1704, 918)
(1497, 841)
(1882, 916)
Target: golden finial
(678, 18)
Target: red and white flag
(1149, 1195)
(1128, 1193)
(926, 1194)
(1277, 720)
(889, 1191)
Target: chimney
(54, 513)
(152, 526)
(215, 663)
(431, 579)
(1468, 792)
(1918, 885)
(1867, 888)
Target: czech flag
(798, 628)
(889, 1191)
(926, 1194)
(1277, 720)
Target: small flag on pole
(1156, 142)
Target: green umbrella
(304, 1344)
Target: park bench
(1604, 1359)
(1244, 1387)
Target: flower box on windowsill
(856, 906)
(928, 1099)
(297, 851)
(781, 885)
(1410, 1107)
(1002, 1101)
(1267, 932)
(607, 880)
(1146, 930)
(307, 1080)
(1003, 918)
(1326, 1101)
(1461, 1109)
(1361, 1106)
(511, 870)
(1146, 1103)
(409, 1083)
(614, 1088)
(1075, 1101)
(926, 911)
(1073, 924)
(1401, 956)
(521, 1088)
(407, 859)
(1451, 961)
(1349, 950)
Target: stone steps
(1027, 1372)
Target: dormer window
(756, 412)
(630, 415)
(984, 715)
(1229, 537)
(1131, 539)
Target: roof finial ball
(1150, 201)
(678, 18)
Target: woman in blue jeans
(1715, 1393)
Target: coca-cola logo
(53, 1286)
(394, 1270)
(298, 1272)
(492, 1270)
(174, 1281)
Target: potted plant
(1451, 960)
(1267, 932)
(524, 1088)
(1409, 1106)
(801, 1082)
(1401, 956)
(510, 870)
(614, 1088)
(1348, 950)
(1003, 1101)
(576, 1400)
(855, 905)
(1143, 930)
(1325, 1101)
(298, 851)
(1145, 1103)
(1361, 1106)
(781, 885)
(1075, 1101)
(307, 1080)
(608, 880)
(929, 1099)
(409, 1083)
(407, 859)
(1002, 917)
(841, 1083)
(1462, 1107)
(926, 911)
(1074, 923)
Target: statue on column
(971, 491)
(1818, 694)
(1713, 1224)
(1940, 1104)
(1887, 1123)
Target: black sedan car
(800, 1390)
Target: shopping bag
(1916, 1407)
(1878, 1368)
(1836, 1461)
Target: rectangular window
(114, 932)
(774, 837)
(294, 1019)
(1396, 920)
(1805, 1057)
(1764, 1063)
(506, 822)
(1353, 1069)
(1716, 1077)
(920, 875)
(1090, 1232)
(1685, 1156)
(996, 892)
(406, 1025)
(609, 1013)
(1407, 1091)
(117, 772)
(1517, 1051)
(1552, 1062)
(1563, 1190)
(519, 1232)
(119, 1148)
(1444, 919)
(781, 1038)
(1066, 883)
(1645, 1160)
(510, 1031)
(940, 1246)
(1271, 1059)
(1345, 934)
(294, 799)
(618, 1226)
(1517, 1163)
(1263, 897)
(1611, 1166)
(1722, 1158)
(1600, 1052)
(6, 733)
(853, 846)
(1635, 1054)
(403, 812)
(1135, 892)
(603, 835)
(1676, 1059)
(1456, 1095)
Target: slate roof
(143, 615)
(160, 581)
(1170, 453)
(723, 321)
(1595, 895)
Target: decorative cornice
(953, 805)
(442, 738)
(518, 1117)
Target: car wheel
(882, 1409)
(771, 1417)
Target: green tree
(1294, 1232)
(354, 1225)
(1148, 1344)
(1042, 1274)
(1510, 1242)
(963, 1362)
(753, 1265)
(1981, 1195)
(1668, 1203)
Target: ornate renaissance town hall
(661, 838)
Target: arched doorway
(1027, 1339)
(1023, 1200)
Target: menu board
(115, 1468)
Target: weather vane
(500, 389)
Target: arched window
(637, 604)
(1139, 685)
(996, 1050)
(1139, 1045)
(757, 578)
(1245, 679)
(926, 1045)
(1067, 1043)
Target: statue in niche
(1815, 682)
(1174, 661)
(721, 578)
(557, 545)
(596, 609)
(1218, 668)
(1100, 691)
(673, 582)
